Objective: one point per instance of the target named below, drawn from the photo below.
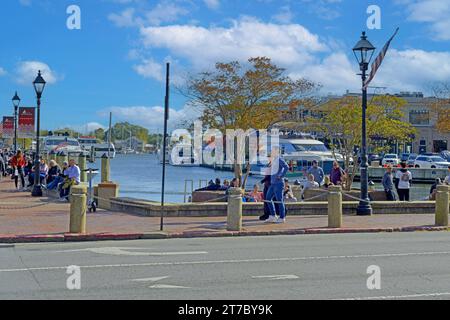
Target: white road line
(166, 286)
(181, 263)
(156, 279)
(411, 296)
(277, 277)
(119, 251)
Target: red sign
(26, 122)
(8, 127)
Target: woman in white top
(403, 179)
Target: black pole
(15, 128)
(37, 190)
(166, 118)
(364, 208)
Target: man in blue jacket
(279, 169)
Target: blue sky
(116, 61)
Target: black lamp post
(364, 51)
(39, 85)
(16, 103)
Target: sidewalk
(27, 219)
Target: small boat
(90, 144)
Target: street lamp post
(39, 85)
(16, 102)
(364, 51)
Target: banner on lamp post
(26, 122)
(8, 127)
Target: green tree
(252, 96)
(339, 120)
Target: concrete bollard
(107, 191)
(78, 208)
(442, 205)
(61, 158)
(82, 165)
(297, 192)
(234, 209)
(105, 169)
(52, 156)
(335, 207)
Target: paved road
(413, 265)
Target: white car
(390, 159)
(431, 162)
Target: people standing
(388, 184)
(337, 175)
(317, 172)
(279, 169)
(403, 181)
(17, 164)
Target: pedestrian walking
(279, 169)
(403, 181)
(17, 164)
(388, 184)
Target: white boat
(300, 154)
(90, 144)
(61, 144)
(178, 157)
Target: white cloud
(148, 117)
(25, 3)
(27, 71)
(2, 71)
(286, 44)
(86, 128)
(212, 4)
(434, 12)
(150, 69)
(413, 70)
(284, 16)
(163, 12)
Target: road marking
(119, 251)
(182, 263)
(423, 295)
(156, 279)
(277, 277)
(166, 286)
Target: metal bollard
(234, 209)
(335, 207)
(78, 206)
(442, 205)
(105, 169)
(82, 165)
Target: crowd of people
(21, 169)
(401, 182)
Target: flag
(379, 60)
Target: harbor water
(139, 176)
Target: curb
(206, 234)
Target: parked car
(412, 157)
(374, 157)
(446, 155)
(404, 157)
(390, 159)
(431, 162)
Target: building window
(419, 117)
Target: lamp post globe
(16, 103)
(39, 85)
(364, 51)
